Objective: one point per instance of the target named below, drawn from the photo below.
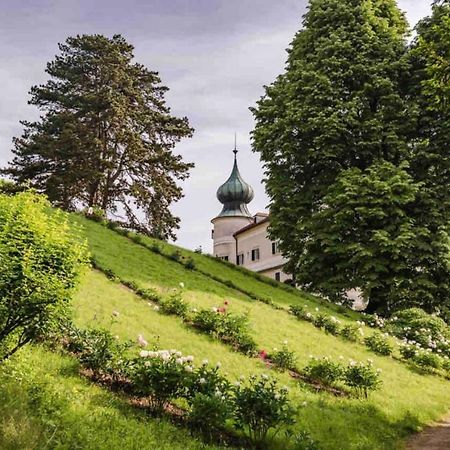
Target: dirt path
(434, 437)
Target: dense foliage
(337, 133)
(40, 261)
(106, 137)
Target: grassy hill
(83, 415)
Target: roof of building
(253, 225)
(235, 194)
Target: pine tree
(106, 136)
(341, 105)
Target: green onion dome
(235, 194)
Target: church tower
(234, 194)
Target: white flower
(308, 315)
(189, 358)
(156, 308)
(285, 342)
(179, 361)
(264, 376)
(237, 383)
(205, 362)
(277, 396)
(143, 353)
(115, 314)
(202, 381)
(147, 363)
(141, 341)
(370, 361)
(116, 337)
(317, 309)
(304, 403)
(194, 309)
(379, 370)
(242, 378)
(341, 357)
(219, 365)
(181, 285)
(214, 309)
(188, 369)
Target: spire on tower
(235, 146)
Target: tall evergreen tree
(106, 136)
(341, 105)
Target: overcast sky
(214, 55)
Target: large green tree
(342, 104)
(106, 136)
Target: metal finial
(235, 146)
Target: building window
(255, 254)
(275, 249)
(240, 259)
(224, 258)
(278, 276)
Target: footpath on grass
(434, 437)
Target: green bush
(323, 370)
(362, 378)
(379, 344)
(190, 264)
(209, 400)
(298, 311)
(329, 324)
(97, 349)
(40, 262)
(427, 360)
(283, 359)
(162, 375)
(350, 332)
(260, 406)
(206, 320)
(416, 326)
(175, 305)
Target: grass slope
(406, 401)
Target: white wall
(257, 237)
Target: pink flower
(141, 341)
(263, 354)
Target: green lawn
(45, 404)
(406, 401)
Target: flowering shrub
(329, 324)
(206, 380)
(408, 351)
(230, 328)
(209, 413)
(379, 343)
(427, 360)
(161, 375)
(260, 405)
(190, 263)
(362, 377)
(283, 359)
(206, 320)
(209, 399)
(374, 321)
(425, 331)
(97, 349)
(298, 311)
(175, 305)
(149, 294)
(350, 332)
(323, 370)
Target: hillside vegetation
(83, 413)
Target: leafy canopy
(337, 133)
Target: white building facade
(242, 238)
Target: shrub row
(361, 377)
(232, 329)
(203, 395)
